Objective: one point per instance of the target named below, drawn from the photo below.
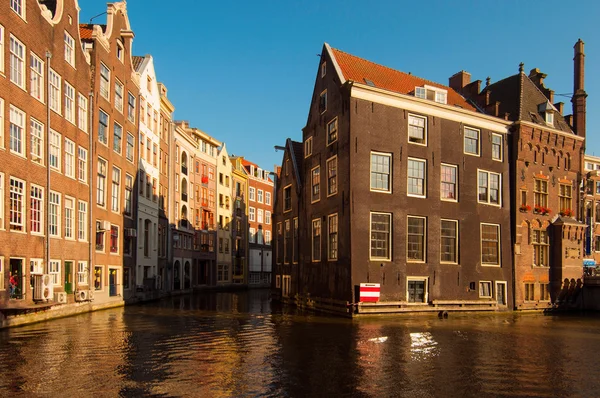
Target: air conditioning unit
(60, 297)
(43, 288)
(103, 225)
(91, 295)
(131, 232)
(81, 295)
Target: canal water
(242, 345)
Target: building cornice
(550, 129)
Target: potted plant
(567, 213)
(541, 210)
(525, 208)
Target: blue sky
(243, 71)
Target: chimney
(537, 78)
(579, 94)
(560, 106)
(459, 80)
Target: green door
(69, 277)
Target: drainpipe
(91, 226)
(47, 150)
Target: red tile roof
(358, 69)
(86, 30)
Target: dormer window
(432, 93)
(547, 109)
(550, 118)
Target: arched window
(184, 190)
(184, 163)
(183, 212)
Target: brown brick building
(400, 176)
(44, 111)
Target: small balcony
(184, 197)
(184, 169)
(204, 179)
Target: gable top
(137, 61)
(363, 71)
(521, 99)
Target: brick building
(399, 177)
(239, 229)
(44, 152)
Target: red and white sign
(369, 292)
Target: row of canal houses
(408, 195)
(106, 198)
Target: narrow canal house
(239, 232)
(113, 158)
(591, 212)
(44, 152)
(400, 177)
(547, 153)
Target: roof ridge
(521, 74)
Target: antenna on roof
(96, 16)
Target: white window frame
(390, 232)
(82, 273)
(57, 214)
(251, 235)
(308, 147)
(104, 138)
(314, 198)
(411, 117)
(115, 189)
(465, 141)
(488, 199)
(37, 88)
(69, 232)
(1, 64)
(408, 177)
(501, 157)
(54, 270)
(119, 90)
(259, 196)
(489, 284)
(82, 221)
(389, 174)
(82, 114)
(332, 159)
(2, 195)
(312, 240)
(54, 80)
(19, 194)
(268, 198)
(82, 164)
(425, 281)
(322, 96)
(69, 102)
(131, 107)
(252, 214)
(455, 167)
(117, 144)
(104, 81)
(101, 188)
(17, 62)
(17, 119)
(252, 193)
(456, 239)
(69, 49)
(424, 252)
(268, 217)
(130, 147)
(2, 288)
(37, 141)
(39, 209)
(55, 150)
(70, 162)
(499, 246)
(337, 237)
(259, 216)
(2, 123)
(332, 127)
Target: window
(114, 239)
(540, 193)
(1, 71)
(82, 220)
(142, 110)
(529, 292)
(485, 289)
(1, 122)
(115, 192)
(417, 129)
(449, 241)
(128, 193)
(267, 237)
(55, 145)
(544, 292)
(54, 214)
(471, 143)
(148, 149)
(332, 131)
(82, 273)
(36, 75)
(267, 217)
(287, 247)
(332, 247)
(252, 193)
(332, 176)
(117, 137)
(416, 290)
(287, 198)
(69, 103)
(308, 147)
(131, 107)
(316, 240)
(101, 183)
(103, 128)
(323, 102)
(381, 236)
(415, 239)
(489, 188)
(497, 147)
(252, 212)
(142, 144)
(69, 158)
(82, 119)
(316, 184)
(549, 118)
(259, 218)
(268, 198)
(2, 182)
(120, 51)
(54, 270)
(432, 94)
(104, 81)
(448, 182)
(155, 155)
(323, 69)
(259, 197)
(69, 49)
(82, 164)
(381, 172)
(251, 238)
(17, 205)
(98, 277)
(490, 244)
(17, 62)
(416, 177)
(539, 239)
(17, 131)
(565, 197)
(69, 218)
(36, 209)
(55, 89)
(119, 95)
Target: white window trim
(2, 47)
(491, 289)
(329, 217)
(58, 87)
(424, 240)
(504, 289)
(456, 245)
(74, 159)
(499, 204)
(41, 210)
(23, 84)
(59, 157)
(74, 211)
(252, 194)
(425, 129)
(501, 147)
(311, 185)
(424, 279)
(337, 175)
(389, 155)
(478, 154)
(23, 209)
(424, 195)
(2, 123)
(323, 68)
(320, 96)
(23, 126)
(68, 39)
(337, 130)
(456, 184)
(308, 147)
(252, 214)
(499, 265)
(391, 255)
(59, 214)
(59, 271)
(260, 195)
(312, 241)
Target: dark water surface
(239, 344)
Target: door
(501, 293)
(112, 282)
(16, 287)
(69, 277)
